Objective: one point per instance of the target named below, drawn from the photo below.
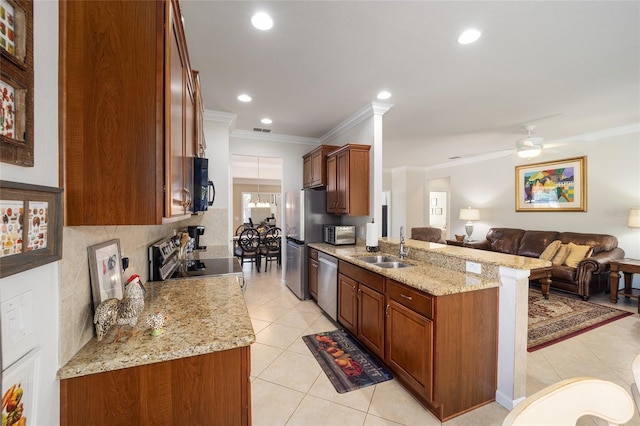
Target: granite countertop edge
(437, 280)
(211, 316)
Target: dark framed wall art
(30, 226)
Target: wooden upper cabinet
(181, 108)
(200, 140)
(119, 115)
(315, 167)
(348, 180)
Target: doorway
(256, 189)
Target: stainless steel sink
(377, 259)
(393, 265)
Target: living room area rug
(347, 365)
(562, 317)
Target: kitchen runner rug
(561, 317)
(347, 365)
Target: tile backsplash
(76, 309)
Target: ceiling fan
(529, 146)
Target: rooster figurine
(121, 312)
(156, 321)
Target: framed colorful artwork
(19, 391)
(30, 226)
(105, 270)
(556, 186)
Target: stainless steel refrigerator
(305, 213)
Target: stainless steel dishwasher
(328, 284)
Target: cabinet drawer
(411, 298)
(368, 278)
(313, 254)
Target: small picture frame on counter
(105, 270)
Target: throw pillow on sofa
(551, 250)
(561, 255)
(576, 254)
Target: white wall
(613, 187)
(362, 132)
(43, 281)
(217, 236)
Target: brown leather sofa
(427, 233)
(592, 273)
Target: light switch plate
(18, 332)
(474, 268)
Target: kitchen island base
(211, 389)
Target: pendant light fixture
(256, 202)
(530, 146)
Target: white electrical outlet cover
(474, 268)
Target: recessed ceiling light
(469, 36)
(244, 98)
(266, 121)
(262, 21)
(384, 95)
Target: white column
(375, 206)
(512, 337)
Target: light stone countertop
(204, 315)
(438, 269)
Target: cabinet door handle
(386, 310)
(406, 297)
(359, 293)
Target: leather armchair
(427, 233)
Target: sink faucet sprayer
(401, 252)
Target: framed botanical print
(30, 226)
(16, 82)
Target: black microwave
(203, 190)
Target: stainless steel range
(165, 263)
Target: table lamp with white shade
(469, 215)
(634, 217)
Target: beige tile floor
(289, 388)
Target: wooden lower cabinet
(313, 273)
(444, 349)
(211, 389)
(371, 319)
(348, 303)
(361, 305)
(410, 347)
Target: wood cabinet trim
(368, 278)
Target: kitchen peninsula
(467, 331)
(196, 372)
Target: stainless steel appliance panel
(305, 213)
(295, 272)
(328, 284)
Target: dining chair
(563, 403)
(271, 246)
(248, 247)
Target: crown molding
(369, 110)
(273, 137)
(600, 134)
(227, 118)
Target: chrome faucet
(402, 253)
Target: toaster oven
(339, 235)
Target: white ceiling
(570, 67)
